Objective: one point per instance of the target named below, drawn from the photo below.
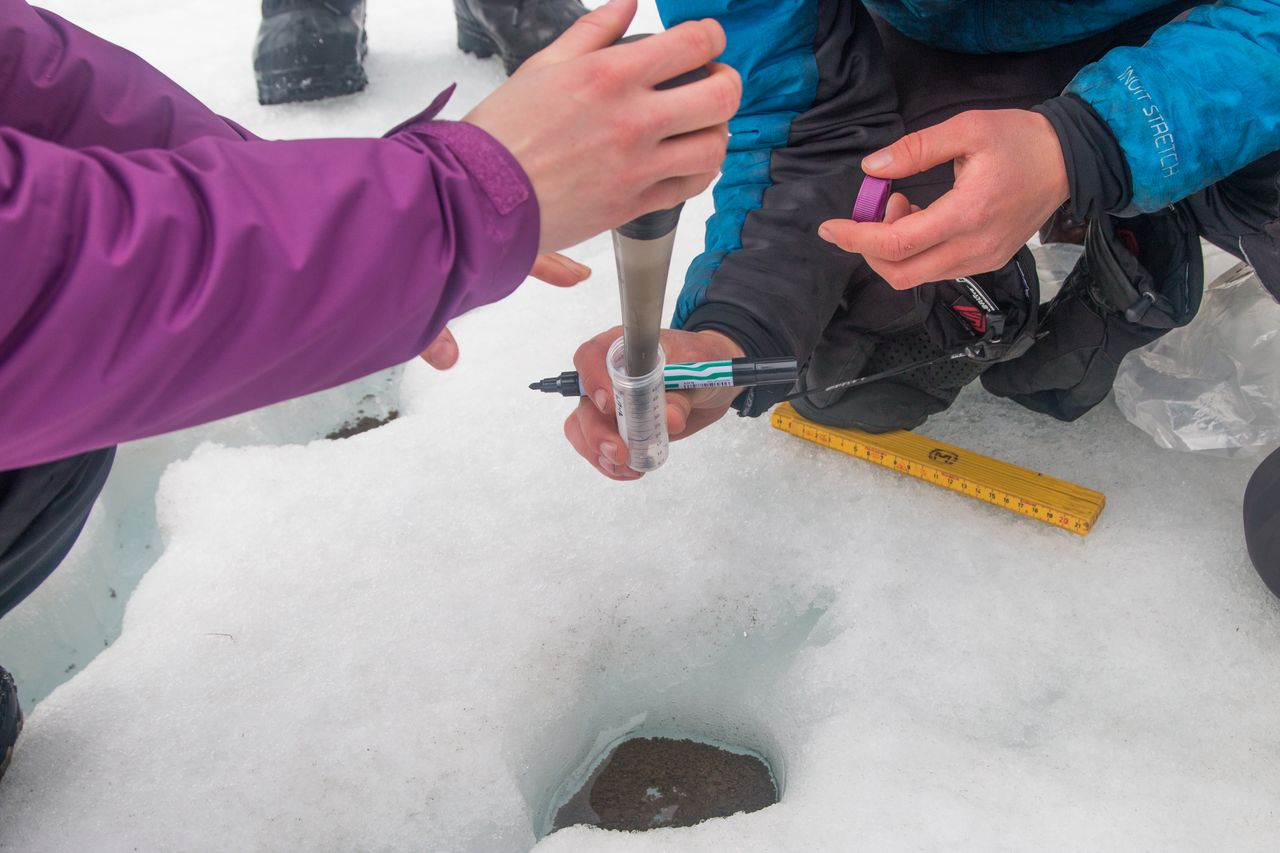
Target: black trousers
(42, 511)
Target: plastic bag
(1053, 262)
(1214, 384)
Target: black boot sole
(8, 753)
(310, 84)
(473, 39)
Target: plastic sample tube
(641, 404)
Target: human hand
(598, 142)
(592, 428)
(1010, 176)
(553, 268)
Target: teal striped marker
(698, 374)
(736, 372)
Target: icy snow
(409, 639)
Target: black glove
(880, 329)
(1138, 278)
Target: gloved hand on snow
(1138, 278)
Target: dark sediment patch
(648, 783)
(364, 423)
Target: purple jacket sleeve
(158, 271)
(152, 290)
(60, 83)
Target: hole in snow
(362, 423)
(692, 699)
(652, 782)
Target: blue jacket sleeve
(1198, 102)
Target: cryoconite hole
(362, 423)
(653, 782)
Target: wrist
(1097, 175)
(722, 344)
(743, 329)
(1056, 162)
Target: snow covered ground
(409, 639)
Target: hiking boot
(309, 49)
(1137, 279)
(960, 332)
(10, 719)
(513, 29)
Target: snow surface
(409, 639)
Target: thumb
(593, 31)
(679, 406)
(443, 352)
(920, 150)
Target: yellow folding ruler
(1007, 486)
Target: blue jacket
(1197, 102)
(1200, 100)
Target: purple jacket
(160, 267)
